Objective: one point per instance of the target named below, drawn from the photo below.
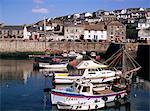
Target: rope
(114, 55)
(132, 59)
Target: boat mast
(123, 58)
(45, 32)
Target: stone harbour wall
(35, 46)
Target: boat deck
(106, 91)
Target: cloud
(40, 10)
(38, 1)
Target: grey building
(11, 31)
(73, 31)
(116, 31)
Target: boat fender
(80, 106)
(125, 98)
(105, 98)
(86, 63)
(77, 107)
(96, 106)
(117, 97)
(89, 107)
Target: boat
(90, 70)
(85, 91)
(57, 66)
(81, 105)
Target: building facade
(8, 31)
(73, 32)
(144, 34)
(116, 31)
(95, 32)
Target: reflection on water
(22, 89)
(18, 70)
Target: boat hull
(57, 96)
(54, 67)
(81, 105)
(69, 80)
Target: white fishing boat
(89, 70)
(61, 66)
(93, 96)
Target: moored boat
(85, 91)
(89, 70)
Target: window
(101, 36)
(76, 30)
(111, 33)
(89, 31)
(86, 89)
(18, 31)
(96, 37)
(89, 36)
(79, 87)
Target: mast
(123, 58)
(45, 32)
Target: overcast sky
(30, 11)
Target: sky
(18, 12)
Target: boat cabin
(87, 88)
(83, 88)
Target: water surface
(22, 89)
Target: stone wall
(33, 46)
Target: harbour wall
(35, 46)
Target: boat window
(75, 85)
(86, 89)
(99, 69)
(79, 87)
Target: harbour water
(21, 89)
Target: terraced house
(116, 31)
(8, 31)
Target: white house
(144, 34)
(124, 11)
(95, 32)
(88, 14)
(93, 20)
(76, 15)
(144, 23)
(26, 34)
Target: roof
(115, 23)
(88, 64)
(12, 27)
(99, 26)
(72, 25)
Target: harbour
(58, 55)
(20, 83)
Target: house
(144, 34)
(144, 23)
(98, 13)
(85, 15)
(108, 18)
(116, 31)
(73, 31)
(95, 31)
(11, 31)
(93, 19)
